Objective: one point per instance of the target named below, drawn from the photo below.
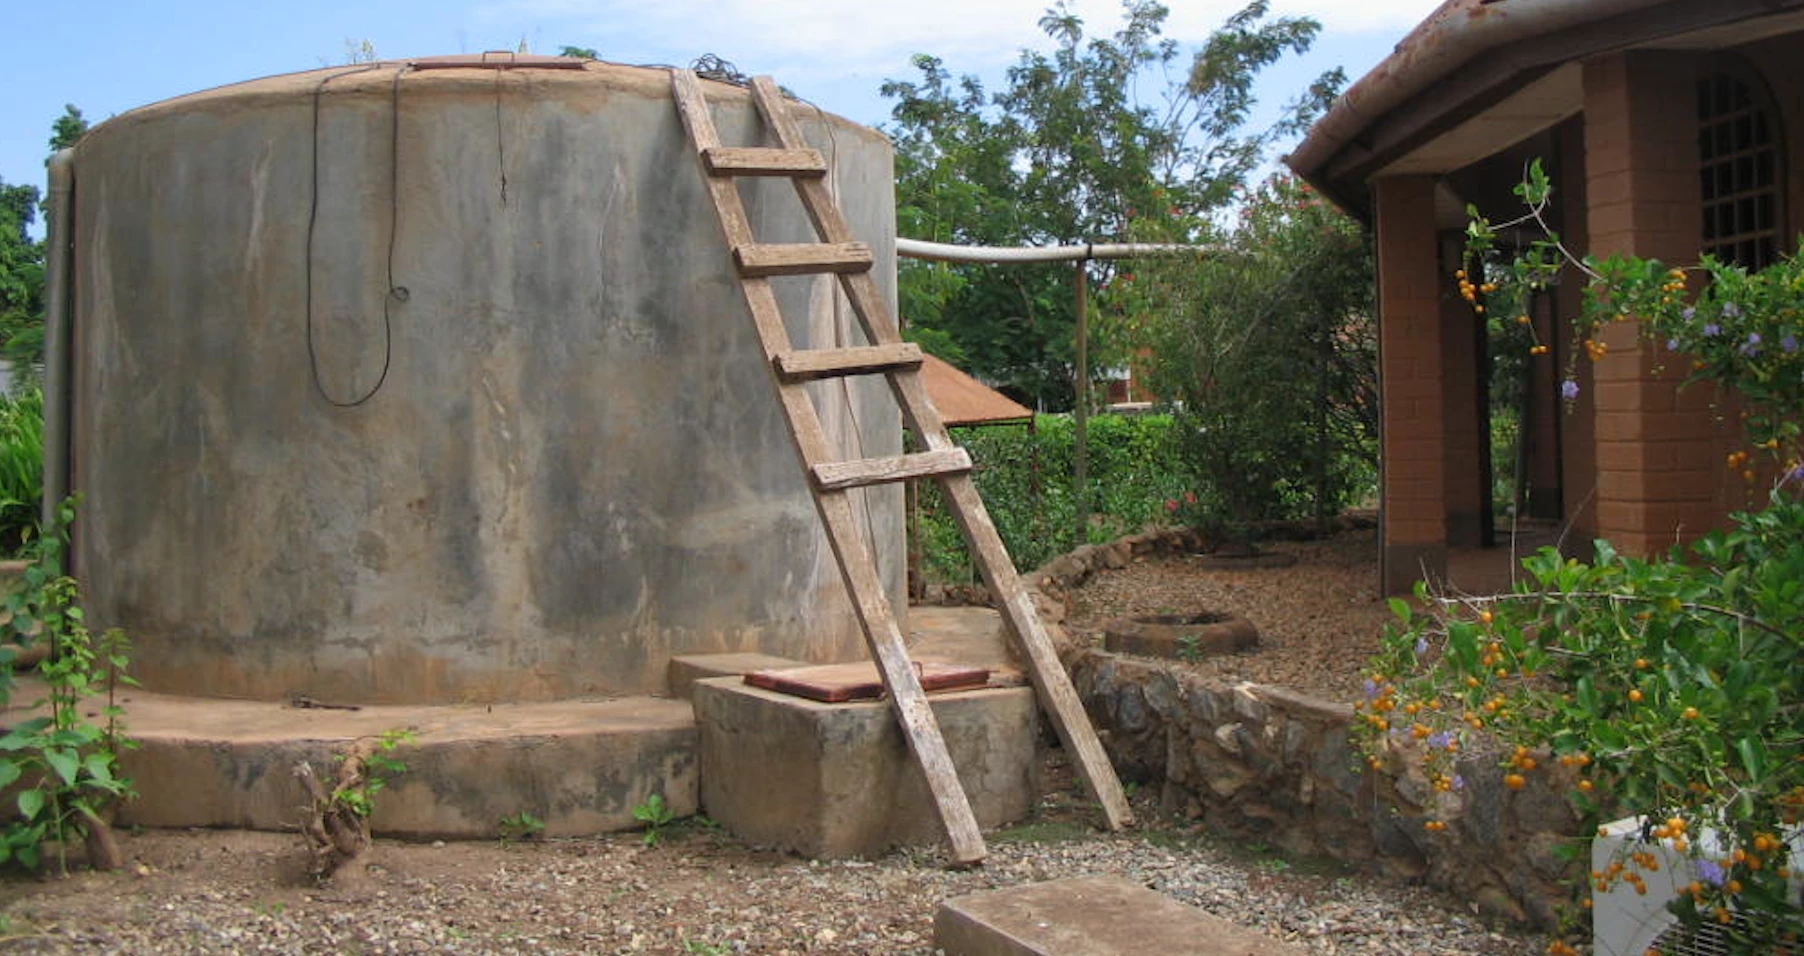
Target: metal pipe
(944, 252)
(59, 325)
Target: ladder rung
(811, 364)
(840, 475)
(756, 260)
(763, 161)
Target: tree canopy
(1072, 149)
(22, 257)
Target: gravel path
(699, 891)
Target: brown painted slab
(837, 683)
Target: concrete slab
(581, 766)
(837, 780)
(964, 635)
(686, 669)
(1089, 916)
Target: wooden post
(1082, 419)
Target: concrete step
(1089, 916)
(685, 669)
(581, 766)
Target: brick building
(1667, 129)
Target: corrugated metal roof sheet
(963, 400)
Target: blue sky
(109, 56)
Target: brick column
(1465, 409)
(1657, 462)
(1413, 499)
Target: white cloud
(800, 38)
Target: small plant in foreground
(65, 768)
(336, 827)
(657, 817)
(357, 793)
(521, 826)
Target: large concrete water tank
(430, 382)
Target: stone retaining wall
(1263, 763)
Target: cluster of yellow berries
(1471, 292)
(1763, 844)
(1605, 879)
(1739, 460)
(1596, 349)
(1669, 290)
(1434, 826)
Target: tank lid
(497, 60)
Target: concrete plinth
(686, 669)
(837, 780)
(1089, 916)
(581, 766)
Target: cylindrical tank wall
(562, 461)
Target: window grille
(1739, 171)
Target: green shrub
(1028, 485)
(1670, 687)
(21, 467)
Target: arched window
(1739, 167)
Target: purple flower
(1710, 872)
(1459, 782)
(1795, 474)
(1672, 345)
(1731, 310)
(1712, 330)
(1687, 313)
(1421, 645)
(1371, 688)
(1789, 343)
(1440, 739)
(1569, 390)
(1752, 346)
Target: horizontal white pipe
(943, 252)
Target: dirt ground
(1319, 620)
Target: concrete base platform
(581, 766)
(1089, 916)
(837, 780)
(685, 669)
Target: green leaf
(1753, 757)
(31, 802)
(100, 767)
(9, 771)
(66, 763)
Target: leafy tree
(1269, 348)
(1069, 151)
(22, 258)
(21, 271)
(585, 52)
(68, 129)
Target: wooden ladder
(830, 479)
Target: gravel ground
(701, 891)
